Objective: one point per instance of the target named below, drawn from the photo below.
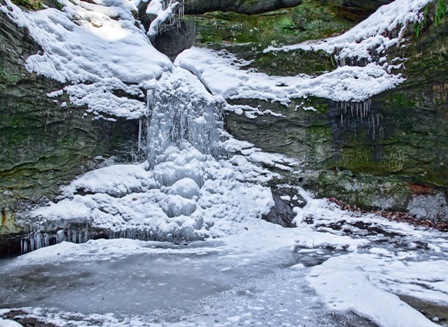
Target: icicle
(25, 246)
(139, 134)
(60, 236)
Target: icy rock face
(181, 109)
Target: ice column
(179, 113)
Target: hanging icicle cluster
(178, 13)
(39, 239)
(355, 115)
(170, 15)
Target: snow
(95, 48)
(342, 293)
(9, 323)
(347, 83)
(154, 7)
(373, 35)
(373, 279)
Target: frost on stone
(431, 206)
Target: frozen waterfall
(194, 184)
(179, 114)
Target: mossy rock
(37, 4)
(248, 35)
(240, 6)
(45, 141)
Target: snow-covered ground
(261, 275)
(334, 269)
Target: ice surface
(306, 276)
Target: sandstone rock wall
(45, 142)
(394, 158)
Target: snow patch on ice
(365, 284)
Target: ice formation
(181, 109)
(193, 185)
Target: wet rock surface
(285, 199)
(281, 213)
(175, 39)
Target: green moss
(293, 62)
(441, 9)
(9, 78)
(38, 4)
(363, 190)
(400, 100)
(30, 4)
(248, 35)
(307, 21)
(8, 222)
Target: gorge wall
(46, 142)
(390, 152)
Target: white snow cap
(97, 49)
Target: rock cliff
(45, 141)
(389, 152)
